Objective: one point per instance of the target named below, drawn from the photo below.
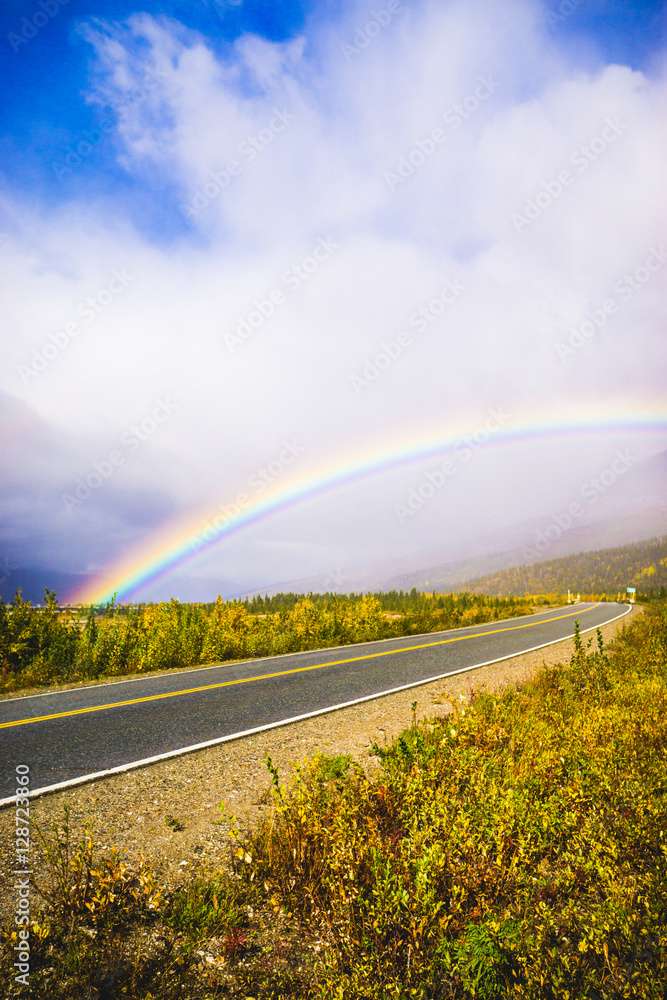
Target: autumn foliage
(41, 645)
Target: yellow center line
(284, 673)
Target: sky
(242, 241)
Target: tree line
(49, 644)
(642, 565)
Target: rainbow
(179, 542)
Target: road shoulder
(130, 811)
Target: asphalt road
(68, 736)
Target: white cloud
(191, 113)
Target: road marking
(87, 709)
(217, 741)
(226, 664)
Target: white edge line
(132, 765)
(157, 674)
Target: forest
(642, 565)
(49, 644)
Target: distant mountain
(610, 510)
(642, 565)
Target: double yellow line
(283, 673)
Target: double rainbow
(189, 537)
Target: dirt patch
(141, 812)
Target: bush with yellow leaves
(514, 850)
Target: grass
(516, 849)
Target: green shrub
(42, 645)
(515, 850)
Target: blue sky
(47, 78)
(313, 234)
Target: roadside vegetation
(642, 565)
(44, 645)
(515, 849)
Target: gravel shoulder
(130, 811)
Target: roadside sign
(631, 590)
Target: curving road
(66, 737)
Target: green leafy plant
(513, 850)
